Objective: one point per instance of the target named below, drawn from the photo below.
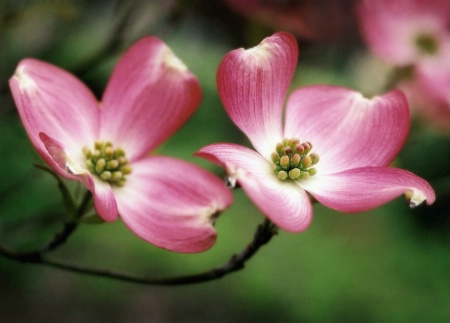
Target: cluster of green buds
(293, 160)
(107, 163)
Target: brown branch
(263, 235)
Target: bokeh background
(387, 265)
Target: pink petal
(53, 101)
(65, 165)
(105, 202)
(284, 203)
(150, 94)
(253, 84)
(391, 27)
(346, 129)
(362, 189)
(172, 204)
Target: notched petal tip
(173, 204)
(416, 198)
(173, 62)
(24, 81)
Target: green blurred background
(386, 265)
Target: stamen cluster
(293, 160)
(107, 163)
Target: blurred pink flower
(414, 35)
(356, 138)
(167, 202)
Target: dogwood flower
(151, 93)
(413, 36)
(335, 144)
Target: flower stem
(69, 226)
(58, 239)
(263, 235)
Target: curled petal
(151, 93)
(346, 129)
(172, 204)
(53, 101)
(284, 203)
(58, 158)
(253, 84)
(362, 189)
(65, 165)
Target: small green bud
(125, 170)
(109, 152)
(116, 176)
(304, 175)
(98, 145)
(314, 158)
(312, 171)
(106, 175)
(293, 142)
(284, 162)
(90, 165)
(86, 152)
(275, 158)
(100, 165)
(306, 161)
(122, 160)
(295, 160)
(294, 173)
(119, 153)
(279, 148)
(112, 164)
(282, 175)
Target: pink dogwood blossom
(151, 93)
(413, 35)
(335, 144)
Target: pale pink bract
(151, 93)
(355, 137)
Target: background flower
(413, 35)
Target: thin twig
(69, 226)
(263, 235)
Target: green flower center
(427, 44)
(293, 160)
(107, 163)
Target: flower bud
(284, 162)
(282, 175)
(294, 173)
(306, 162)
(100, 165)
(275, 158)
